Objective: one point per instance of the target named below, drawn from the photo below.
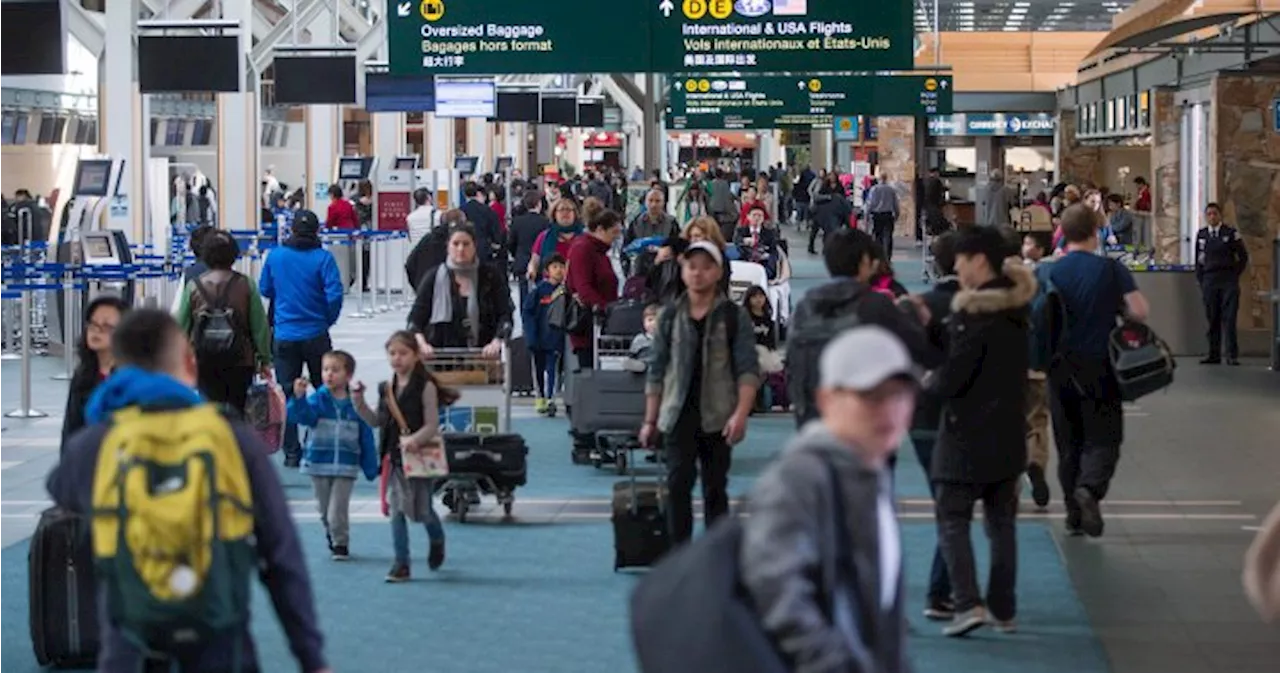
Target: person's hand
(300, 387)
(1112, 240)
(408, 443)
(736, 429)
(425, 349)
(531, 272)
(357, 391)
(266, 372)
(492, 350)
(664, 254)
(648, 433)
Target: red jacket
(341, 215)
(591, 278)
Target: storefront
(709, 148)
(967, 148)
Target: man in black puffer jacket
(981, 451)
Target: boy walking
(545, 340)
(339, 446)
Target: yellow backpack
(173, 526)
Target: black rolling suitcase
(63, 603)
(502, 458)
(521, 368)
(640, 534)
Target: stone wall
(1077, 163)
(897, 147)
(1248, 188)
(1166, 187)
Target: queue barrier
(28, 278)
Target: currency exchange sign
(781, 35)
(710, 102)
(497, 37)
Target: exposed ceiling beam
(89, 28)
(262, 52)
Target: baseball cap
(305, 222)
(864, 357)
(707, 247)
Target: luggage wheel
(461, 511)
(620, 462)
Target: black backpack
(214, 334)
(806, 340)
(1142, 361)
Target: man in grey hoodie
(821, 555)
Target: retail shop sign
(992, 124)
(496, 37)
(707, 102)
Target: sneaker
(551, 409)
(1233, 362)
(1211, 361)
(1090, 512)
(340, 553)
(1072, 524)
(940, 610)
(966, 622)
(435, 557)
(1039, 487)
(398, 573)
(540, 405)
(1005, 626)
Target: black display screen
(315, 80)
(32, 38)
(165, 63)
(591, 115)
(518, 106)
(561, 111)
(384, 93)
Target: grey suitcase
(607, 401)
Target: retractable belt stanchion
(26, 410)
(70, 322)
(406, 289)
(381, 244)
(353, 241)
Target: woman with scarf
(461, 303)
(566, 225)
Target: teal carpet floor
(544, 599)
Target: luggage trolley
(484, 457)
(608, 401)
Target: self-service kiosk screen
(406, 163)
(92, 178)
(466, 164)
(97, 246)
(33, 38)
(502, 165)
(353, 168)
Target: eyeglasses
(101, 328)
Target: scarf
(553, 236)
(442, 297)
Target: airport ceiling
(1018, 15)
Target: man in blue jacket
(157, 370)
(302, 281)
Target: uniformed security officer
(1220, 260)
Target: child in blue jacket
(545, 341)
(339, 447)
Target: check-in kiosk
(466, 168)
(82, 241)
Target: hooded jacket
(983, 382)
(340, 443)
(284, 571)
(305, 289)
(789, 553)
(840, 297)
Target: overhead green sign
(500, 37)
(766, 102)
(781, 35)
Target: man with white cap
(702, 381)
(821, 555)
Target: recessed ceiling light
(1021, 4)
(966, 29)
(1018, 10)
(1010, 29)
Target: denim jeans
(400, 534)
(999, 512)
(290, 356)
(419, 498)
(939, 580)
(1088, 426)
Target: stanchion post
(381, 246)
(26, 410)
(70, 324)
(359, 284)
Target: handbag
(421, 462)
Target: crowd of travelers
(979, 373)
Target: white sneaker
(966, 622)
(1005, 626)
